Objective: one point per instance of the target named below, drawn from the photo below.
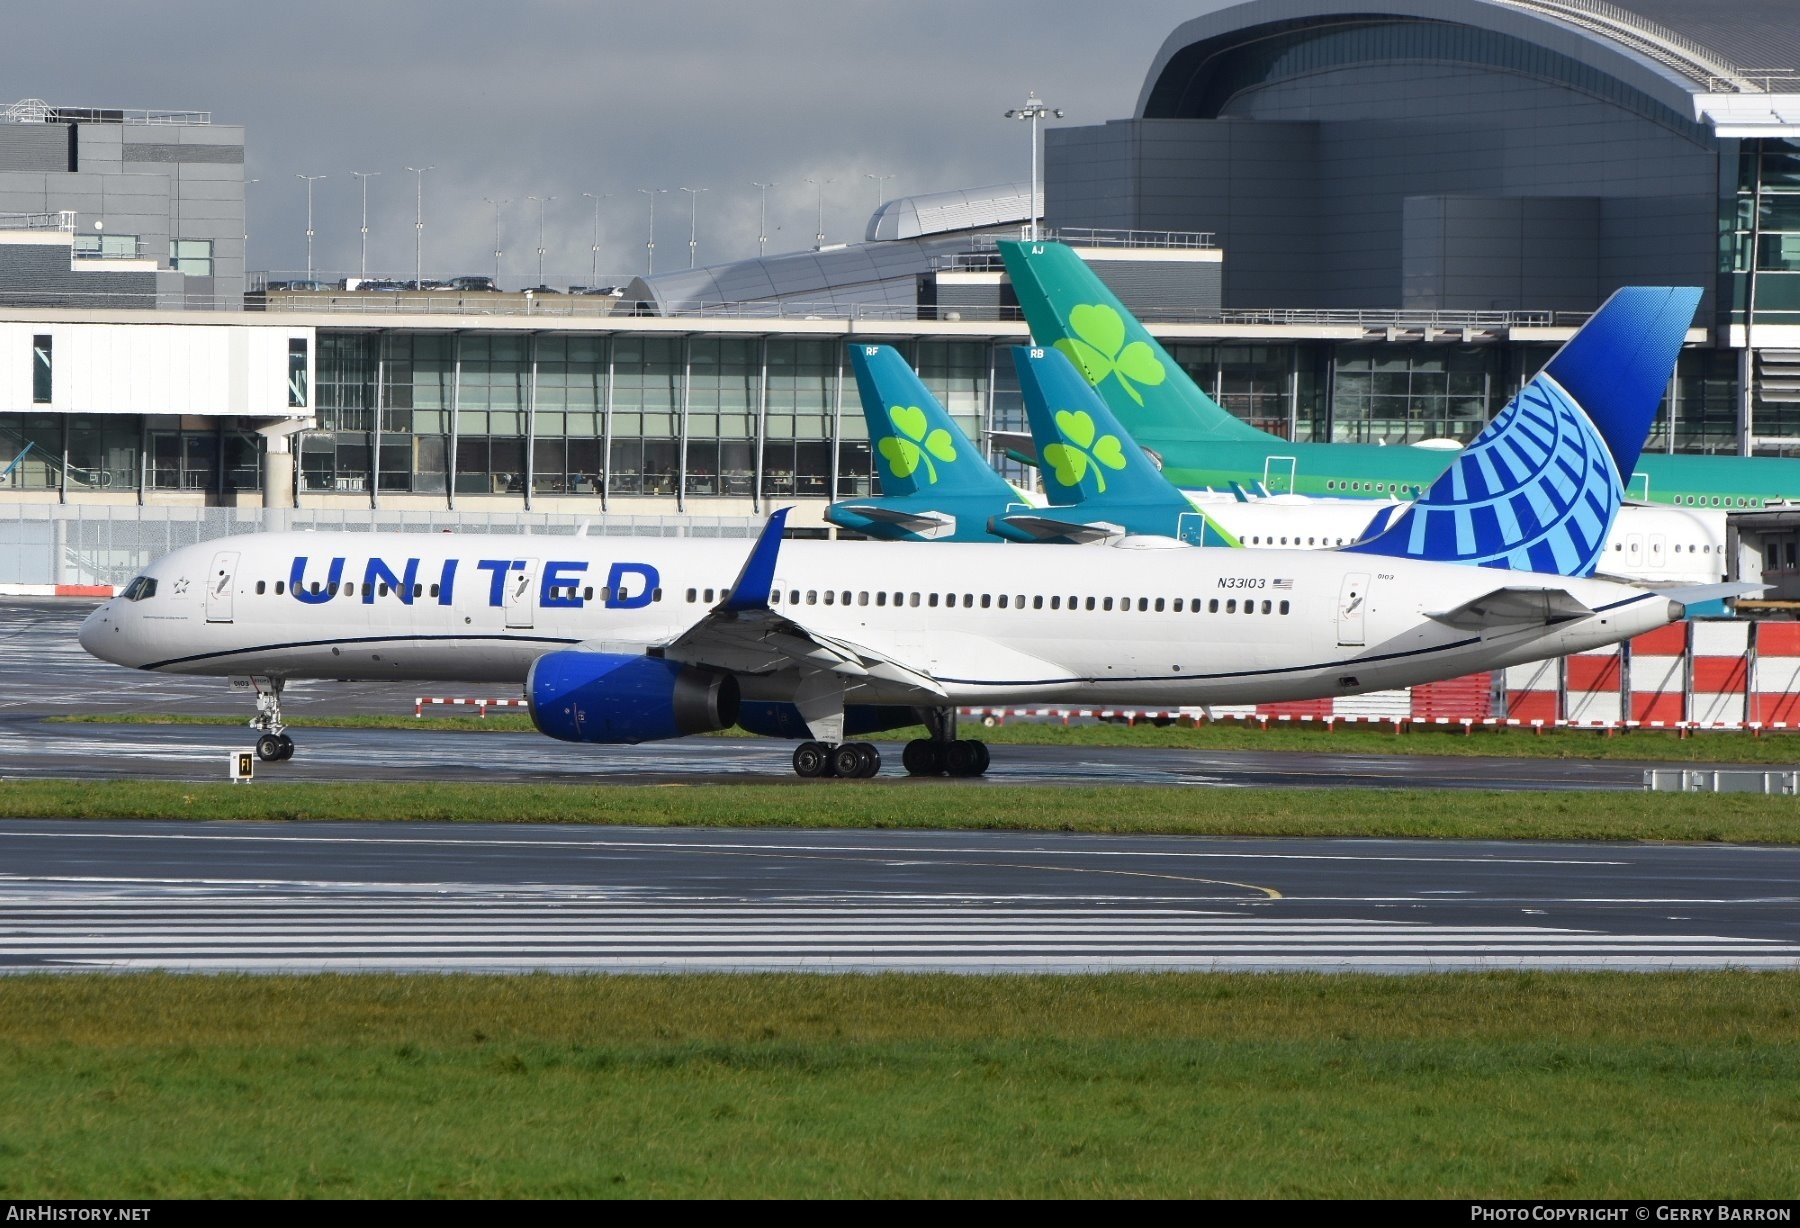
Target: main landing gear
(272, 744)
(852, 759)
(942, 754)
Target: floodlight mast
(1034, 110)
(363, 269)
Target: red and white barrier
(480, 705)
(1707, 674)
(59, 590)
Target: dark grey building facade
(152, 203)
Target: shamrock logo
(1098, 350)
(913, 445)
(1071, 459)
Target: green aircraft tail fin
(1071, 309)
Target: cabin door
(1353, 602)
(221, 584)
(521, 595)
(1278, 474)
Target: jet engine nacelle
(608, 697)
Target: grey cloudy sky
(554, 98)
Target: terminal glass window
(723, 379)
(797, 441)
(646, 409)
(191, 256)
(106, 247)
(103, 452)
(569, 417)
(184, 460)
(40, 370)
(1398, 394)
(31, 451)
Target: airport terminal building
(1366, 222)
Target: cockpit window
(139, 589)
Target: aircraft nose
(94, 629)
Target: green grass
(1781, 749)
(896, 802)
(1242, 1086)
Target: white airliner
(629, 640)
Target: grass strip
(1222, 1086)
(943, 805)
(1775, 749)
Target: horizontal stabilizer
(920, 522)
(1690, 595)
(1025, 527)
(1514, 606)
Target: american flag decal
(1284, 584)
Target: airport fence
(92, 546)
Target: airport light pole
(365, 176)
(594, 248)
(497, 204)
(880, 195)
(541, 202)
(310, 180)
(650, 247)
(693, 216)
(1034, 110)
(819, 226)
(419, 224)
(762, 217)
(247, 184)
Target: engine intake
(609, 697)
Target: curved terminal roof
(914, 217)
(1733, 63)
(905, 237)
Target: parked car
(541, 290)
(471, 284)
(609, 291)
(299, 284)
(388, 285)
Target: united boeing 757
(629, 640)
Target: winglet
(751, 589)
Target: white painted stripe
(674, 846)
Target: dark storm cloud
(554, 98)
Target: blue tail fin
(1539, 488)
(934, 482)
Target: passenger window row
(1018, 601)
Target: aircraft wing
(1512, 606)
(744, 634)
(764, 642)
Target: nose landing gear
(272, 744)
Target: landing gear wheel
(966, 758)
(269, 748)
(812, 759)
(923, 757)
(287, 748)
(856, 759)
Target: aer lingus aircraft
(935, 484)
(1201, 445)
(1546, 470)
(630, 640)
